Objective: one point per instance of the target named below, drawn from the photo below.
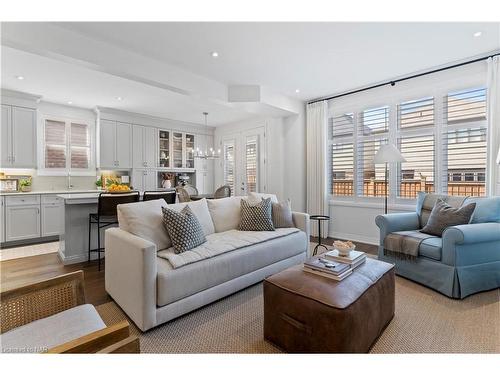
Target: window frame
(68, 170)
(429, 86)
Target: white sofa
(153, 285)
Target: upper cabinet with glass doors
(176, 149)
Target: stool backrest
(183, 194)
(222, 192)
(107, 203)
(168, 196)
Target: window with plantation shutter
(416, 144)
(439, 126)
(373, 130)
(229, 164)
(341, 134)
(67, 148)
(55, 144)
(251, 164)
(80, 146)
(465, 142)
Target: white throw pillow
(200, 210)
(225, 212)
(145, 220)
(257, 197)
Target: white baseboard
(77, 258)
(354, 237)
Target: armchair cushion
(426, 202)
(443, 216)
(487, 209)
(43, 334)
(431, 248)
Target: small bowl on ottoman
(344, 248)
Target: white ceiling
(317, 58)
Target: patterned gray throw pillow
(444, 216)
(256, 216)
(282, 215)
(184, 229)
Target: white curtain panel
(317, 203)
(493, 85)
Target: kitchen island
(73, 240)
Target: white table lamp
(387, 153)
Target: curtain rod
(394, 81)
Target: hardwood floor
(27, 270)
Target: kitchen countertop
(50, 192)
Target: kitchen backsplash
(47, 183)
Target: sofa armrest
(302, 222)
(396, 222)
(131, 275)
(470, 243)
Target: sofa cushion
(225, 213)
(175, 284)
(443, 216)
(256, 216)
(257, 197)
(200, 210)
(184, 229)
(431, 248)
(487, 209)
(427, 201)
(43, 334)
(145, 219)
(282, 214)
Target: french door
(244, 161)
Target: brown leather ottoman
(306, 313)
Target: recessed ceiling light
(20, 77)
(297, 91)
(477, 34)
(119, 98)
(70, 102)
(215, 54)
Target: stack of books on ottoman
(336, 264)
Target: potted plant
(98, 183)
(25, 184)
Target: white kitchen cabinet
(22, 221)
(18, 137)
(144, 179)
(52, 215)
(144, 146)
(2, 219)
(115, 145)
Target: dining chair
(168, 196)
(182, 194)
(222, 192)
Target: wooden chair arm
(20, 306)
(95, 341)
(130, 345)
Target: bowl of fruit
(118, 188)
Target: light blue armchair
(464, 261)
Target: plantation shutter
(416, 144)
(251, 164)
(229, 164)
(55, 144)
(80, 146)
(465, 142)
(341, 133)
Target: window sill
(374, 205)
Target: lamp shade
(498, 156)
(388, 154)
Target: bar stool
(106, 215)
(319, 218)
(168, 196)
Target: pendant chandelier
(208, 153)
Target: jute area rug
(425, 322)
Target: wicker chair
(191, 190)
(222, 192)
(37, 302)
(182, 194)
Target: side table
(319, 219)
